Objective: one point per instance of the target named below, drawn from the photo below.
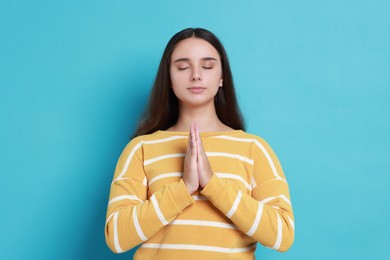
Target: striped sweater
(246, 201)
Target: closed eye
(183, 68)
(207, 68)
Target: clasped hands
(197, 170)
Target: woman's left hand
(204, 169)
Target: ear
(221, 83)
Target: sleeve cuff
(181, 195)
(214, 189)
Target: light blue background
(313, 78)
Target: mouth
(196, 89)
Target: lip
(196, 89)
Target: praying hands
(197, 170)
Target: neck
(205, 117)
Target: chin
(198, 103)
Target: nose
(196, 75)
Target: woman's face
(196, 72)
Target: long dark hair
(163, 109)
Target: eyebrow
(187, 59)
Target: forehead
(194, 48)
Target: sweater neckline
(186, 133)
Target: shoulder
(249, 136)
(155, 137)
(257, 142)
(135, 145)
(243, 138)
(240, 136)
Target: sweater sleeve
(132, 216)
(267, 214)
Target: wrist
(191, 188)
(204, 180)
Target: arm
(267, 215)
(132, 217)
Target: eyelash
(206, 68)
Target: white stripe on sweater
(144, 182)
(128, 160)
(158, 211)
(199, 197)
(137, 226)
(230, 155)
(270, 161)
(199, 247)
(162, 157)
(125, 197)
(278, 241)
(210, 154)
(258, 144)
(203, 223)
(235, 205)
(118, 249)
(254, 184)
(165, 175)
(238, 139)
(256, 222)
(109, 217)
(137, 146)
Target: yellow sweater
(247, 200)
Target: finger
(190, 136)
(193, 141)
(189, 143)
(194, 133)
(198, 140)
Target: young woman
(193, 184)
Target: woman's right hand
(190, 174)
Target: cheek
(173, 78)
(176, 84)
(215, 78)
(216, 75)
(178, 79)
(175, 81)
